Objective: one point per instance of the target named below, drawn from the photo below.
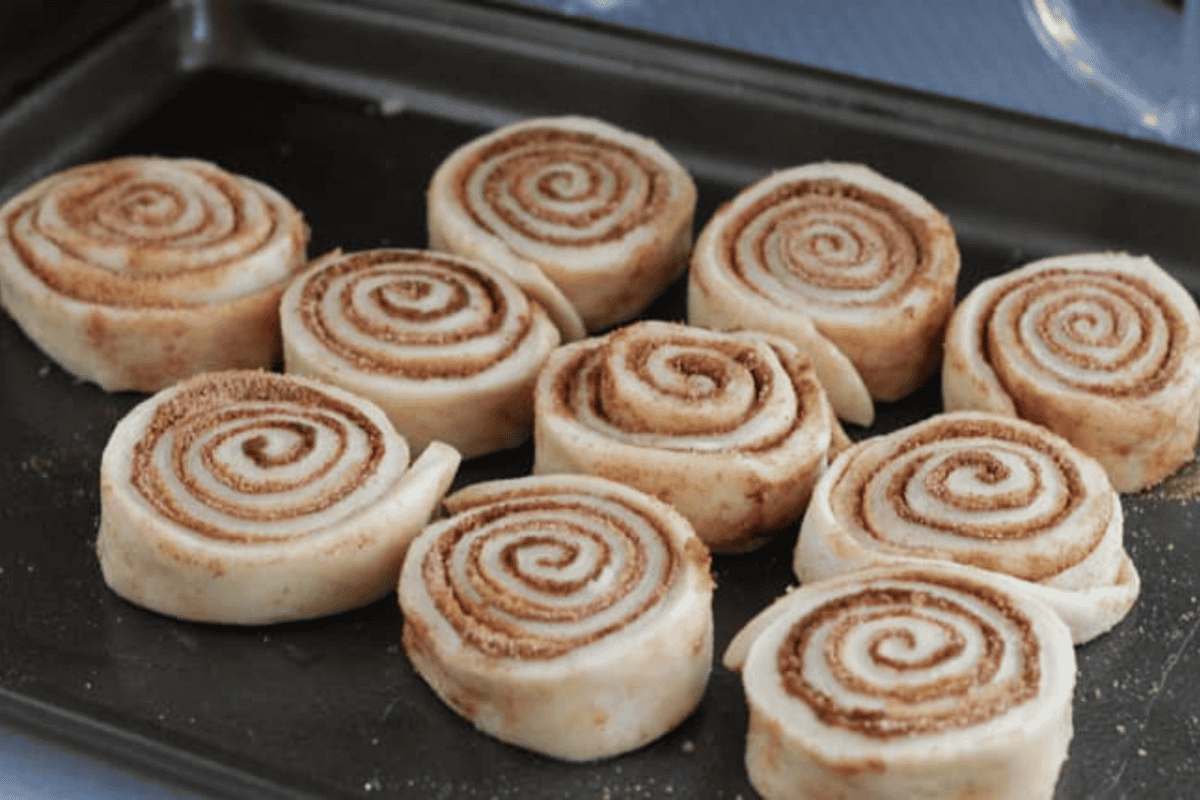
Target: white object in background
(1169, 108)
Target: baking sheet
(347, 108)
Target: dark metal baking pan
(347, 108)
(33, 41)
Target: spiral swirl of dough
(732, 429)
(153, 232)
(605, 214)
(138, 271)
(981, 489)
(448, 347)
(414, 314)
(823, 243)
(844, 262)
(662, 385)
(1101, 348)
(1079, 330)
(550, 585)
(228, 487)
(922, 657)
(909, 674)
(557, 570)
(252, 457)
(559, 187)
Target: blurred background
(1126, 66)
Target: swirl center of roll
(268, 451)
(829, 244)
(981, 480)
(144, 205)
(398, 297)
(548, 565)
(568, 183)
(898, 649)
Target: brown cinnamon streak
(413, 273)
(1084, 285)
(141, 286)
(487, 615)
(221, 397)
(976, 694)
(547, 146)
(907, 255)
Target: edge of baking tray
(342, 47)
(177, 766)
(37, 46)
(346, 57)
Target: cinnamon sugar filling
(486, 611)
(954, 697)
(265, 402)
(419, 349)
(1121, 302)
(821, 231)
(551, 159)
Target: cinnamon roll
(449, 348)
(250, 497)
(593, 221)
(730, 428)
(1102, 348)
(921, 681)
(566, 614)
(981, 489)
(136, 272)
(857, 270)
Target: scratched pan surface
(347, 108)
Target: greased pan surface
(347, 108)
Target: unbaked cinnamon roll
(981, 489)
(593, 221)
(931, 681)
(857, 270)
(250, 497)
(1102, 348)
(448, 347)
(732, 429)
(566, 614)
(136, 272)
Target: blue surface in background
(980, 50)
(34, 770)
